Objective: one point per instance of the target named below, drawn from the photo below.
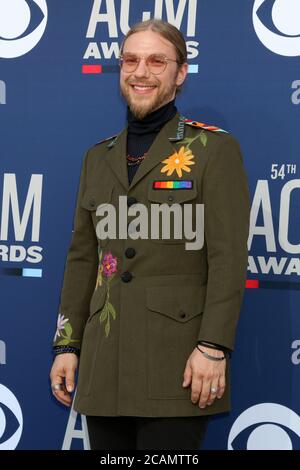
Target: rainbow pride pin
(172, 184)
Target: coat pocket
(94, 198)
(173, 322)
(171, 205)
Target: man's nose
(142, 69)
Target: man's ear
(182, 73)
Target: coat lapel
(116, 158)
(160, 149)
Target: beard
(142, 106)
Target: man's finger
(187, 376)
(214, 389)
(196, 389)
(205, 392)
(59, 390)
(70, 378)
(63, 397)
(61, 394)
(222, 385)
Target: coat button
(131, 200)
(130, 252)
(171, 198)
(92, 202)
(126, 276)
(182, 314)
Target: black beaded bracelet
(65, 349)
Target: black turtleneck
(141, 133)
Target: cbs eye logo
(17, 36)
(10, 418)
(267, 426)
(283, 17)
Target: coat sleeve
(226, 227)
(79, 275)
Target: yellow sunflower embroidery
(179, 161)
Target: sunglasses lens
(129, 63)
(155, 63)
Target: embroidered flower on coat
(64, 330)
(109, 265)
(179, 161)
(108, 269)
(61, 320)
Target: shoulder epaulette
(201, 125)
(107, 139)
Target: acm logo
(263, 199)
(114, 17)
(11, 217)
(73, 432)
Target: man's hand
(207, 377)
(63, 373)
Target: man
(153, 321)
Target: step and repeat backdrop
(59, 95)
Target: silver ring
(56, 387)
(213, 390)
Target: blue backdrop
(58, 96)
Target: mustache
(141, 82)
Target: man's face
(144, 91)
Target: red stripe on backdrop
(92, 69)
(252, 284)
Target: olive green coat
(137, 330)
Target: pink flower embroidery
(107, 269)
(109, 265)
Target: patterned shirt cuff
(65, 349)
